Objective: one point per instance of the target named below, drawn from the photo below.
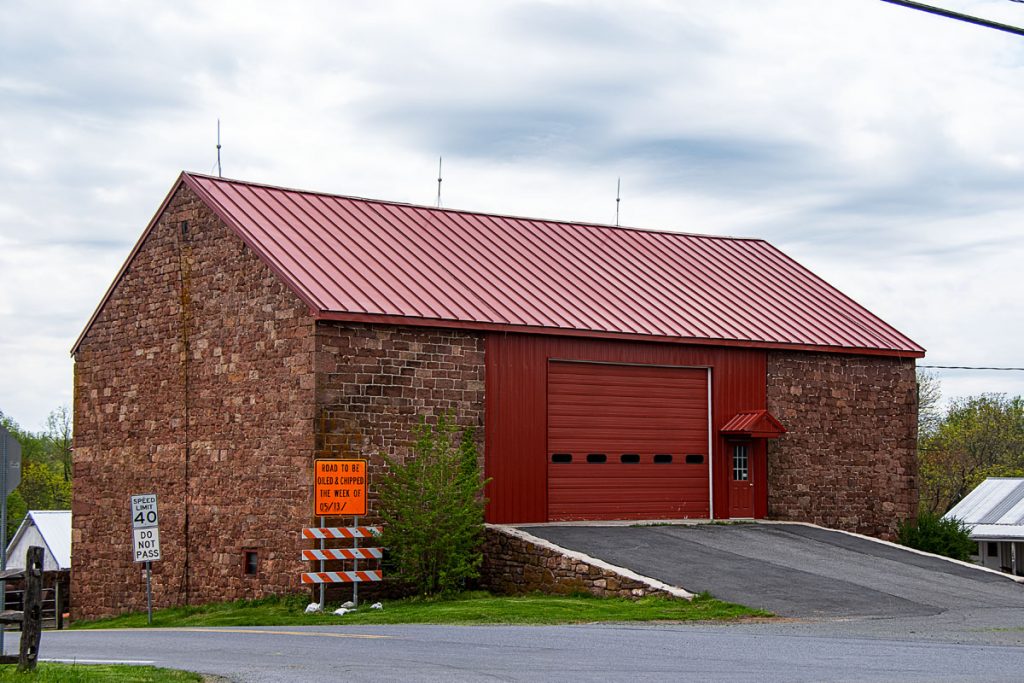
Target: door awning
(753, 424)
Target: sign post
(146, 540)
(323, 601)
(339, 489)
(10, 477)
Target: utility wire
(971, 367)
(949, 14)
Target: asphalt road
(756, 652)
(800, 571)
(856, 611)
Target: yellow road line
(319, 634)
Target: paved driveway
(795, 570)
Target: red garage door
(627, 442)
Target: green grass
(92, 673)
(467, 608)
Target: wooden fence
(31, 613)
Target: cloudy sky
(880, 146)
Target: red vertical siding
(516, 439)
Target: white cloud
(876, 144)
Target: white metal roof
(49, 528)
(995, 509)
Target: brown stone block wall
(200, 349)
(374, 382)
(515, 566)
(848, 460)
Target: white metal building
(994, 512)
(50, 529)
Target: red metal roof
(368, 260)
(754, 423)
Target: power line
(971, 367)
(949, 14)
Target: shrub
(935, 534)
(432, 506)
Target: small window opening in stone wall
(250, 562)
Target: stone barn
(611, 373)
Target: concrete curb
(515, 532)
(1011, 577)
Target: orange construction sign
(339, 487)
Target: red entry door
(741, 480)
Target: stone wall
(848, 460)
(516, 563)
(205, 380)
(374, 382)
(196, 383)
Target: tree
(935, 534)
(16, 511)
(45, 468)
(59, 433)
(929, 409)
(33, 447)
(43, 487)
(432, 506)
(978, 436)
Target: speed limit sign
(145, 528)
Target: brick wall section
(515, 566)
(849, 458)
(374, 382)
(205, 308)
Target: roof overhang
(997, 532)
(753, 424)
(482, 326)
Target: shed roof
(994, 509)
(754, 423)
(53, 529)
(373, 261)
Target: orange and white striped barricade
(354, 554)
(342, 577)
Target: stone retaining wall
(516, 563)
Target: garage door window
(740, 469)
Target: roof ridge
(442, 209)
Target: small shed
(994, 513)
(50, 529)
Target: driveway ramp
(792, 569)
